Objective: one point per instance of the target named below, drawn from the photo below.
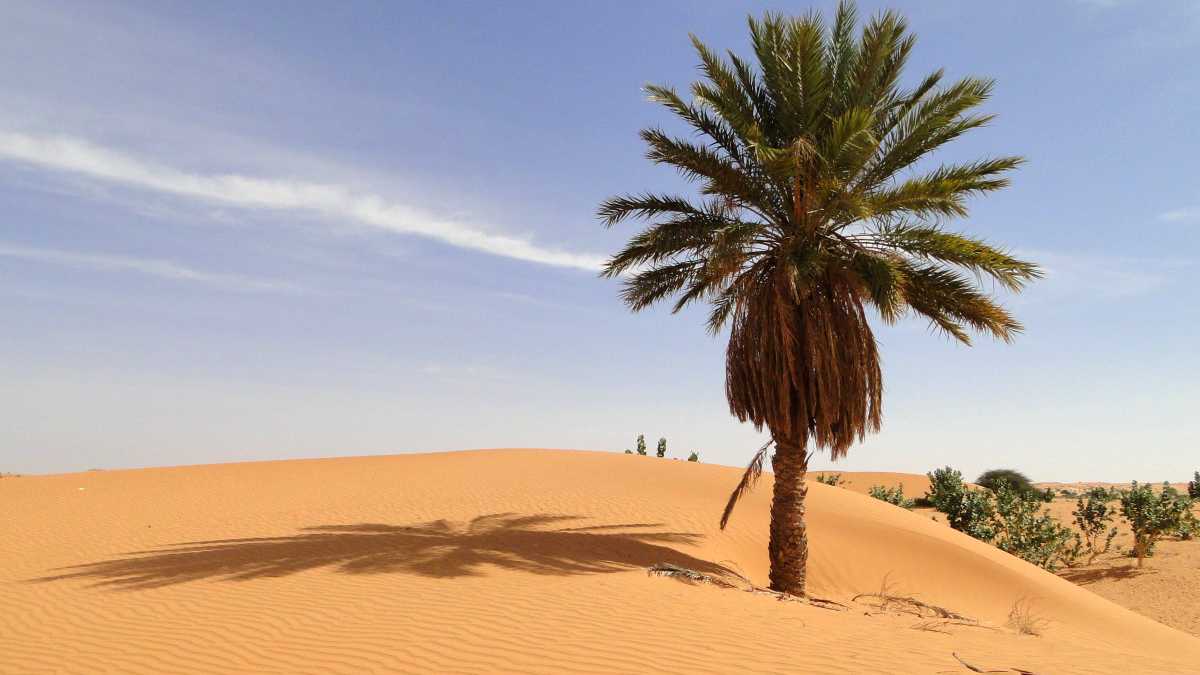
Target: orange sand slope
(507, 560)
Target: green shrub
(1029, 533)
(694, 457)
(1067, 493)
(833, 479)
(1015, 479)
(662, 448)
(641, 444)
(968, 511)
(891, 495)
(1194, 487)
(1104, 494)
(1189, 526)
(1094, 519)
(1151, 516)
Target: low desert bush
(662, 448)
(833, 479)
(1104, 494)
(1189, 526)
(694, 457)
(1008, 518)
(893, 496)
(969, 511)
(1094, 518)
(1026, 531)
(1150, 516)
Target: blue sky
(267, 230)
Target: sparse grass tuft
(832, 479)
(1024, 620)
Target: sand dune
(506, 561)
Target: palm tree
(816, 201)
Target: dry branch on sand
(692, 576)
(976, 669)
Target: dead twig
(940, 625)
(692, 576)
(976, 669)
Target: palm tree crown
(811, 210)
(815, 204)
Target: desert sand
(511, 561)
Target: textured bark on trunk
(789, 536)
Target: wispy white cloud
(163, 269)
(332, 201)
(1185, 215)
(1106, 277)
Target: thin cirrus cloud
(163, 269)
(1189, 215)
(78, 156)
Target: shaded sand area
(509, 561)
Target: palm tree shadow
(437, 548)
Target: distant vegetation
(641, 446)
(660, 451)
(891, 495)
(832, 479)
(1014, 520)
(1194, 486)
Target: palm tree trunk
(789, 537)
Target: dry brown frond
(888, 600)
(749, 479)
(802, 361)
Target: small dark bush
(694, 457)
(1015, 479)
(662, 448)
(1194, 487)
(834, 479)
(893, 496)
(641, 444)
